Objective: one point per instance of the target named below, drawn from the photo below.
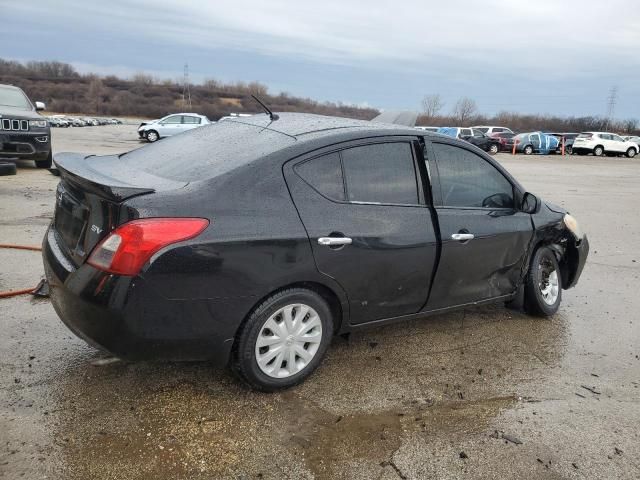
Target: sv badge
(96, 229)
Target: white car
(601, 143)
(488, 130)
(171, 125)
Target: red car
(506, 140)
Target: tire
(631, 152)
(528, 150)
(543, 288)
(568, 151)
(272, 372)
(152, 136)
(45, 163)
(493, 149)
(598, 151)
(8, 168)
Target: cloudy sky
(533, 56)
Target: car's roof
(302, 125)
(13, 87)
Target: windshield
(12, 97)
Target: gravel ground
(482, 393)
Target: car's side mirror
(40, 106)
(529, 203)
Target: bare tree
(464, 109)
(96, 94)
(431, 105)
(630, 125)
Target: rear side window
(324, 174)
(468, 180)
(380, 173)
(190, 119)
(486, 129)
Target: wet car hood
(21, 113)
(555, 208)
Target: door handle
(334, 241)
(462, 237)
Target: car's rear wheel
(45, 163)
(598, 151)
(568, 150)
(543, 289)
(493, 149)
(631, 152)
(284, 340)
(528, 150)
(152, 136)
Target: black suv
(24, 133)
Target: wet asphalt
(482, 393)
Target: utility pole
(186, 91)
(611, 104)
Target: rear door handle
(462, 237)
(334, 241)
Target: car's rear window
(207, 151)
(585, 135)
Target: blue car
(535, 142)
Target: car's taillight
(125, 250)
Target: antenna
(611, 104)
(186, 91)
(272, 116)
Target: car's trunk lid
(90, 197)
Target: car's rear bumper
(127, 318)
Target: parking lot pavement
(483, 393)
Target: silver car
(171, 125)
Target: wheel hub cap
(288, 340)
(549, 285)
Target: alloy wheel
(288, 340)
(548, 285)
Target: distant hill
(65, 90)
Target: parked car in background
(633, 139)
(604, 143)
(252, 242)
(568, 139)
(24, 133)
(535, 142)
(171, 125)
(505, 139)
(491, 130)
(474, 137)
(428, 129)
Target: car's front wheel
(528, 150)
(493, 149)
(284, 340)
(46, 163)
(543, 289)
(152, 136)
(631, 152)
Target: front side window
(172, 119)
(380, 173)
(485, 129)
(468, 180)
(616, 138)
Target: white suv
(601, 143)
(171, 125)
(487, 130)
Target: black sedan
(483, 141)
(251, 242)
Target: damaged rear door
(485, 238)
